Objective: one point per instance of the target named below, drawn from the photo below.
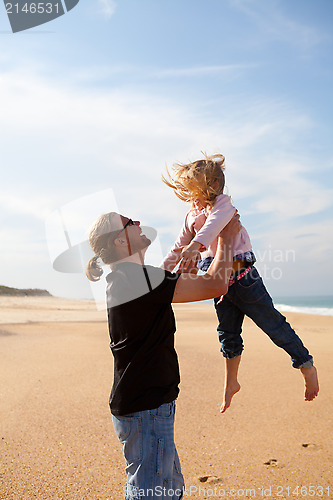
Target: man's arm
(191, 288)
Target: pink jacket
(204, 227)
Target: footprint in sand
(209, 479)
(271, 461)
(311, 446)
(5, 333)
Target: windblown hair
(202, 178)
(99, 236)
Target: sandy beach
(56, 434)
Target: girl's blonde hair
(199, 179)
(99, 236)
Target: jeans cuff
(307, 364)
(230, 355)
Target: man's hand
(225, 246)
(231, 230)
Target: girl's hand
(190, 254)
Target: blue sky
(95, 103)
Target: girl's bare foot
(311, 383)
(231, 385)
(229, 392)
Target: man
(142, 328)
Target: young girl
(201, 183)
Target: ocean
(319, 304)
(322, 305)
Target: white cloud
(100, 73)
(24, 203)
(115, 134)
(311, 244)
(290, 256)
(107, 7)
(287, 190)
(198, 71)
(276, 25)
(61, 141)
(44, 124)
(287, 202)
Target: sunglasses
(128, 223)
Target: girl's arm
(221, 213)
(215, 281)
(185, 236)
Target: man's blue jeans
(248, 296)
(152, 463)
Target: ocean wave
(321, 311)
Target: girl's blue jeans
(248, 296)
(152, 463)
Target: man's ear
(118, 242)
